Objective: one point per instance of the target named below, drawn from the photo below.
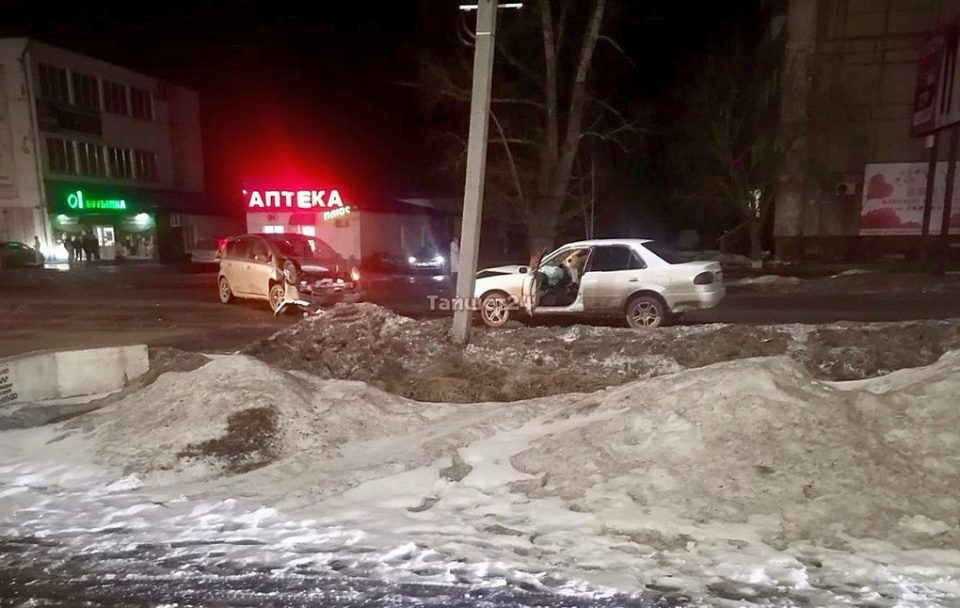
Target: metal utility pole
(476, 168)
(944, 252)
(932, 141)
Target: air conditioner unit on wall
(844, 188)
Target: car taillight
(221, 244)
(704, 278)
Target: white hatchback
(636, 279)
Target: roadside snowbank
(415, 359)
(744, 480)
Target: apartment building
(845, 89)
(90, 147)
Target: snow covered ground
(741, 483)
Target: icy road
(71, 536)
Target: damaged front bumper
(311, 295)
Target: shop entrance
(108, 243)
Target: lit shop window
(308, 230)
(273, 229)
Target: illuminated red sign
(303, 200)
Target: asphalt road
(176, 306)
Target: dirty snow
(747, 481)
(415, 359)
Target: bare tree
(544, 105)
(732, 142)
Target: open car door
(530, 288)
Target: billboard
(936, 97)
(893, 197)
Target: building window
(60, 157)
(115, 98)
(273, 229)
(86, 91)
(53, 84)
(121, 166)
(141, 104)
(91, 159)
(145, 165)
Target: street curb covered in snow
(57, 375)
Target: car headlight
(411, 260)
(354, 274)
(290, 272)
(438, 259)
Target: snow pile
(236, 414)
(415, 359)
(769, 279)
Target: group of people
(80, 247)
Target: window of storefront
(141, 104)
(115, 98)
(53, 83)
(308, 230)
(273, 229)
(145, 165)
(91, 158)
(86, 91)
(60, 157)
(121, 165)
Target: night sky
(292, 88)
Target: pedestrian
(95, 247)
(88, 245)
(78, 248)
(36, 248)
(68, 245)
(454, 260)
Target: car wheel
(496, 309)
(646, 312)
(224, 291)
(278, 294)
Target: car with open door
(285, 270)
(638, 280)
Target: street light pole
(476, 168)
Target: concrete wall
(22, 214)
(53, 375)
(856, 110)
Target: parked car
(284, 270)
(636, 279)
(208, 250)
(14, 254)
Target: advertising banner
(893, 196)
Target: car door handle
(633, 281)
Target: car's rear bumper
(705, 296)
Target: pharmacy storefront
(123, 221)
(313, 211)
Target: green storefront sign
(78, 202)
(79, 199)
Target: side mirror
(523, 270)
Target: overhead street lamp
(476, 162)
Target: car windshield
(663, 252)
(302, 246)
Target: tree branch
(509, 153)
